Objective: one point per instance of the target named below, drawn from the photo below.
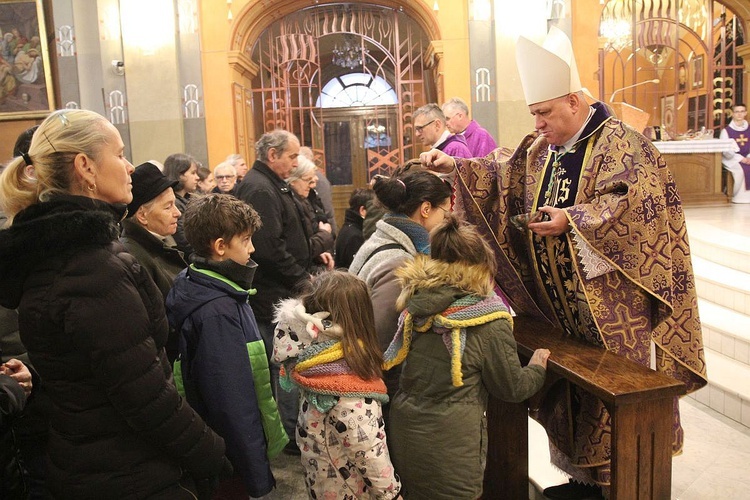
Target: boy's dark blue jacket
(225, 379)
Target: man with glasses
(738, 163)
(479, 141)
(429, 127)
(225, 176)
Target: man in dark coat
(281, 245)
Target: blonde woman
(94, 324)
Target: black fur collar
(53, 229)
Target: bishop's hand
(437, 161)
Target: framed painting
(697, 72)
(25, 80)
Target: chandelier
(349, 55)
(652, 23)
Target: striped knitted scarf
(470, 310)
(322, 374)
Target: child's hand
(540, 357)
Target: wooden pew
(640, 401)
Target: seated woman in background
(147, 232)
(319, 233)
(183, 169)
(94, 323)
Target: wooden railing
(640, 401)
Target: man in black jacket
(281, 244)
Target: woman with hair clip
(327, 343)
(94, 323)
(183, 169)
(457, 338)
(416, 201)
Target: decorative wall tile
(65, 41)
(117, 110)
(191, 99)
(482, 85)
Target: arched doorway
(325, 72)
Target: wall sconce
(118, 67)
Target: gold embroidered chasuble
(621, 278)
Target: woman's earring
(91, 187)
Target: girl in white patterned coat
(327, 343)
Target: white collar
(570, 142)
(738, 128)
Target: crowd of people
(187, 325)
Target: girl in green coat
(455, 339)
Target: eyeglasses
(449, 118)
(419, 128)
(446, 212)
(224, 177)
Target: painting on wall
(25, 81)
(697, 72)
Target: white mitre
(547, 70)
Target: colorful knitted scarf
(322, 374)
(470, 310)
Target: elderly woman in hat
(147, 231)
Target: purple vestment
(743, 141)
(742, 138)
(480, 141)
(455, 145)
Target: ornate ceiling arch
(257, 16)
